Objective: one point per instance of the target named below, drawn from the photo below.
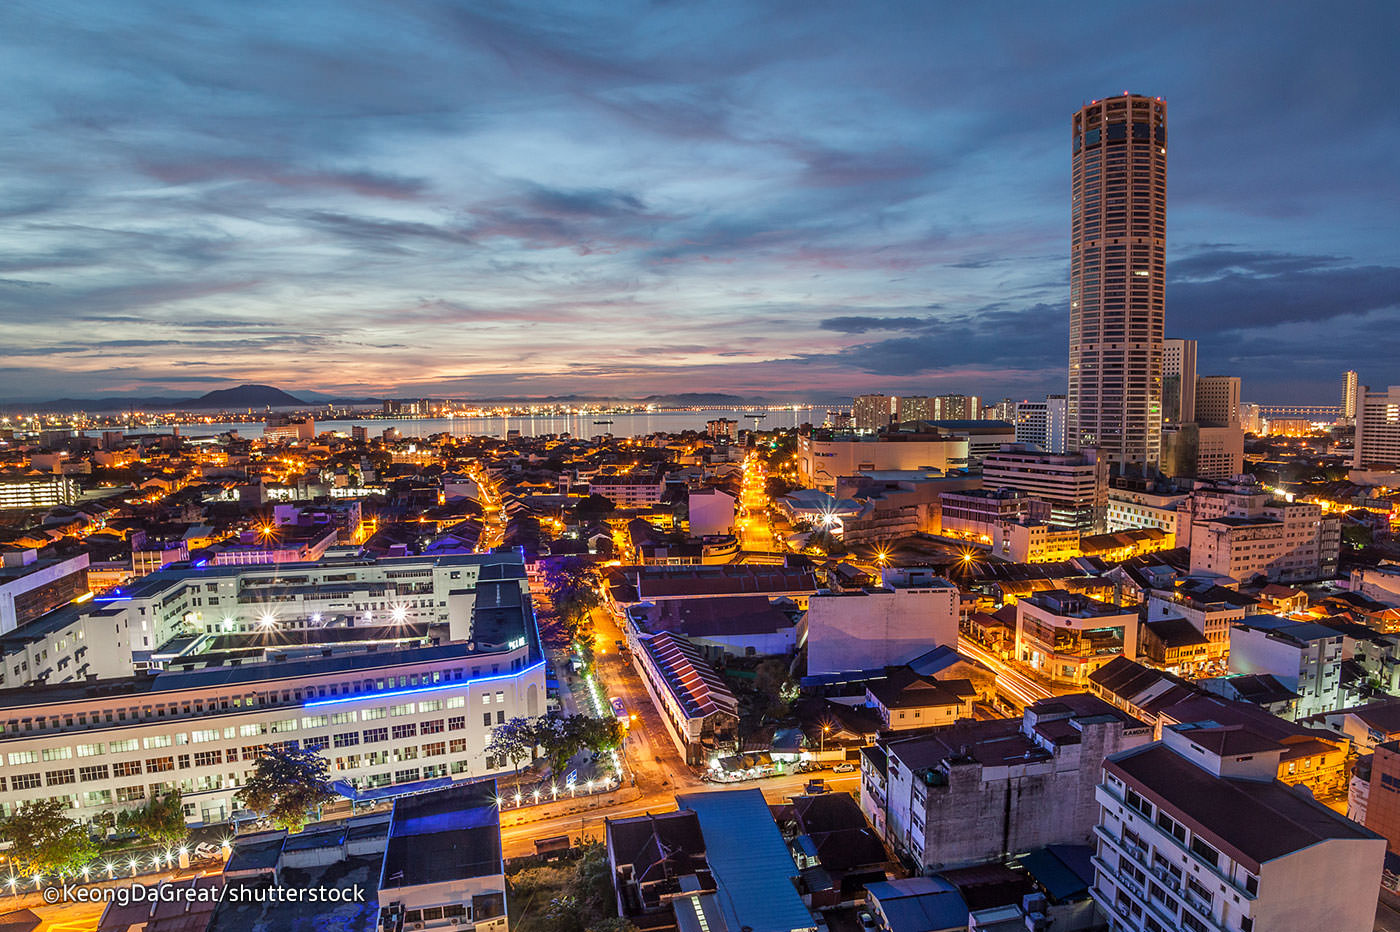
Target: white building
(1075, 486)
(1304, 656)
(1178, 381)
(1378, 431)
(384, 716)
(1131, 508)
(1042, 423)
(1035, 542)
(1195, 833)
(629, 490)
(23, 493)
(910, 613)
(711, 513)
(1236, 530)
(442, 864)
(823, 456)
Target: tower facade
(1118, 254)
(1350, 394)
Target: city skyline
(624, 201)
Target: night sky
(800, 199)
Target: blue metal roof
(752, 866)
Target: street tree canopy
(161, 820)
(46, 841)
(286, 786)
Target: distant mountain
(245, 396)
(701, 398)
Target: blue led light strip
(414, 690)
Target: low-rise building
(700, 712)
(872, 628)
(31, 585)
(442, 862)
(1066, 636)
(1035, 542)
(905, 700)
(977, 791)
(1195, 832)
(824, 456)
(1306, 657)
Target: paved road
(519, 840)
(1010, 681)
(1387, 917)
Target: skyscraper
(1350, 395)
(1178, 381)
(1118, 278)
(872, 412)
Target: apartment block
(1075, 486)
(1195, 833)
(978, 791)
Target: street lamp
(825, 729)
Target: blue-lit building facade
(415, 700)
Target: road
(519, 840)
(1010, 681)
(754, 526)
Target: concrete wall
(877, 628)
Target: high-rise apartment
(1218, 401)
(1118, 277)
(1351, 386)
(1042, 423)
(1377, 430)
(872, 412)
(1178, 381)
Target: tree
(45, 841)
(160, 820)
(774, 687)
(286, 785)
(513, 740)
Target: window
(1251, 884)
(249, 731)
(313, 721)
(433, 706)
(207, 758)
(369, 715)
(1134, 800)
(90, 750)
(160, 764)
(57, 753)
(404, 731)
(23, 757)
(343, 718)
(285, 725)
(435, 749)
(126, 768)
(122, 747)
(431, 728)
(157, 741)
(26, 781)
(1204, 851)
(1172, 827)
(98, 772)
(207, 734)
(346, 739)
(406, 708)
(59, 777)
(376, 734)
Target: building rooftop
(1252, 821)
(752, 866)
(442, 836)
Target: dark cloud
(866, 324)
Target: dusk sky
(488, 199)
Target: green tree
(161, 820)
(774, 687)
(612, 924)
(514, 740)
(286, 786)
(46, 841)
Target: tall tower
(1350, 395)
(1117, 297)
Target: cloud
(865, 324)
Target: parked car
(847, 767)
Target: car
(847, 767)
(619, 709)
(867, 921)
